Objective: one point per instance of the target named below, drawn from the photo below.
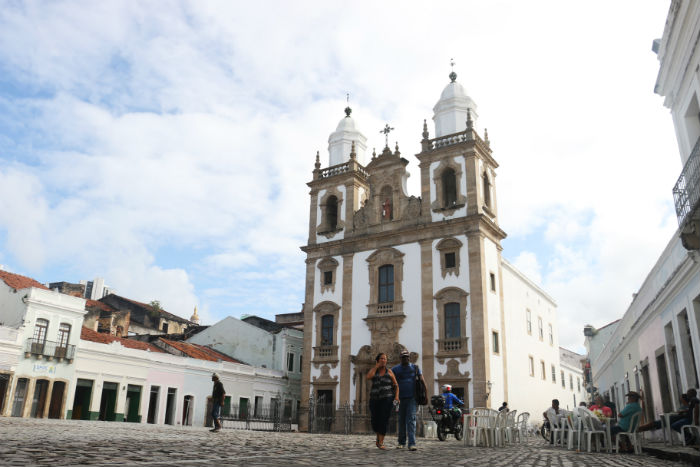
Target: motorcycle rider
(450, 401)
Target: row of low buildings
(655, 347)
(62, 356)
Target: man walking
(218, 395)
(405, 374)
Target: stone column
(346, 330)
(308, 333)
(427, 316)
(479, 330)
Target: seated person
(658, 424)
(599, 404)
(624, 418)
(450, 401)
(551, 414)
(689, 417)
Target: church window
(449, 187)
(451, 303)
(327, 277)
(487, 190)
(332, 212)
(327, 330)
(447, 179)
(386, 283)
(495, 343)
(449, 256)
(327, 272)
(492, 278)
(452, 321)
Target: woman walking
(384, 390)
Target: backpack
(420, 393)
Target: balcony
(452, 347)
(326, 354)
(48, 349)
(686, 194)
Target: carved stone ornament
(325, 379)
(453, 374)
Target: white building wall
(529, 393)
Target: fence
(347, 419)
(263, 417)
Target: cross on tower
(386, 131)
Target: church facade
(387, 271)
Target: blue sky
(166, 146)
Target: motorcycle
(448, 421)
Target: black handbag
(420, 393)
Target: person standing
(406, 374)
(383, 393)
(218, 395)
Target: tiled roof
(148, 307)
(199, 352)
(87, 334)
(98, 304)
(18, 282)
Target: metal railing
(686, 192)
(353, 419)
(267, 417)
(49, 349)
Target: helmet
(446, 387)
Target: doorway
(41, 389)
(108, 403)
(170, 407)
(20, 394)
(56, 405)
(4, 385)
(81, 400)
(664, 383)
(133, 404)
(187, 410)
(153, 405)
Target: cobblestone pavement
(25, 442)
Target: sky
(166, 146)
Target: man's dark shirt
(218, 391)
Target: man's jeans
(407, 421)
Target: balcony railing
(686, 192)
(341, 169)
(49, 349)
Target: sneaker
(400, 446)
(412, 448)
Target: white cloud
(167, 147)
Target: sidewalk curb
(690, 458)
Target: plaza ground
(26, 442)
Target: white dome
(346, 124)
(453, 90)
(450, 112)
(341, 140)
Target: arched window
(487, 191)
(40, 330)
(63, 334)
(386, 283)
(327, 330)
(332, 212)
(453, 328)
(449, 187)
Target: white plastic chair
(555, 429)
(633, 435)
(512, 428)
(499, 430)
(478, 426)
(573, 426)
(521, 424)
(592, 431)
